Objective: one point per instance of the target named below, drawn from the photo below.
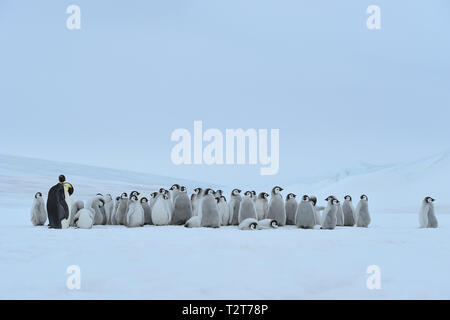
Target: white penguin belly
(160, 213)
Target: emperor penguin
(329, 215)
(210, 211)
(277, 211)
(58, 210)
(113, 215)
(224, 212)
(135, 214)
(109, 208)
(267, 224)
(317, 215)
(305, 216)
(249, 223)
(218, 193)
(147, 210)
(349, 211)
(76, 206)
(84, 218)
(254, 196)
(175, 189)
(182, 210)
(122, 208)
(362, 212)
(427, 216)
(153, 197)
(339, 215)
(193, 222)
(161, 211)
(262, 205)
(291, 208)
(38, 211)
(247, 208)
(196, 200)
(97, 204)
(234, 204)
(326, 209)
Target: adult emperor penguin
(135, 214)
(38, 211)
(161, 211)
(262, 205)
(291, 208)
(97, 204)
(305, 216)
(362, 212)
(76, 206)
(122, 208)
(247, 208)
(210, 211)
(147, 211)
(109, 208)
(277, 210)
(249, 223)
(182, 210)
(224, 212)
(175, 189)
(339, 215)
(427, 216)
(234, 204)
(349, 211)
(329, 215)
(59, 203)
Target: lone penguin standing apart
(277, 210)
(210, 211)
(57, 205)
(38, 211)
(329, 215)
(234, 204)
(247, 207)
(291, 208)
(427, 216)
(362, 212)
(349, 211)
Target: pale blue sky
(111, 93)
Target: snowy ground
(178, 263)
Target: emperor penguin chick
(193, 222)
(147, 210)
(339, 216)
(291, 208)
(97, 204)
(234, 204)
(305, 215)
(349, 211)
(76, 206)
(224, 212)
(113, 216)
(329, 216)
(195, 200)
(210, 211)
(38, 211)
(362, 212)
(109, 208)
(277, 210)
(427, 216)
(182, 210)
(267, 224)
(175, 188)
(135, 214)
(262, 205)
(249, 223)
(153, 197)
(161, 211)
(122, 208)
(247, 207)
(317, 215)
(84, 218)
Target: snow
(174, 262)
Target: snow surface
(173, 262)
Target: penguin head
(101, 202)
(38, 195)
(175, 187)
(429, 200)
(253, 226)
(198, 191)
(248, 194)
(254, 193)
(209, 191)
(219, 193)
(217, 199)
(62, 179)
(235, 192)
(134, 198)
(183, 189)
(99, 194)
(334, 201)
(162, 190)
(69, 188)
(277, 190)
(348, 198)
(263, 195)
(364, 197)
(274, 224)
(313, 199)
(117, 198)
(134, 193)
(330, 198)
(222, 198)
(305, 197)
(290, 196)
(144, 200)
(153, 194)
(124, 195)
(165, 197)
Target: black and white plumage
(267, 224)
(329, 215)
(224, 211)
(305, 215)
(291, 208)
(38, 210)
(109, 208)
(135, 214)
(76, 206)
(122, 208)
(277, 210)
(362, 212)
(234, 204)
(427, 215)
(249, 223)
(262, 205)
(182, 210)
(147, 210)
(247, 207)
(210, 211)
(161, 210)
(349, 211)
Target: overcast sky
(111, 93)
